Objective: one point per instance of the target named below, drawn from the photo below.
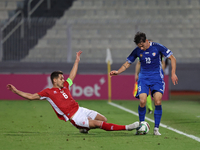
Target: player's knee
(101, 117)
(142, 102)
(95, 124)
(104, 119)
(157, 103)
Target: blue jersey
(151, 67)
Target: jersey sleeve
(43, 94)
(165, 51)
(131, 58)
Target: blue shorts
(154, 86)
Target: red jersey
(61, 101)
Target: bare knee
(104, 119)
(143, 99)
(158, 102)
(157, 98)
(142, 103)
(101, 117)
(94, 124)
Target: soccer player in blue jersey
(151, 74)
(148, 103)
(137, 71)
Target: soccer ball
(144, 128)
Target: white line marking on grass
(162, 125)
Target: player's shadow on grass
(74, 133)
(103, 134)
(21, 133)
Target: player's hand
(78, 55)
(11, 88)
(174, 79)
(113, 73)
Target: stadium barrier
(85, 87)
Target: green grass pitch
(33, 125)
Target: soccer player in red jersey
(67, 108)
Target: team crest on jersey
(62, 91)
(141, 55)
(154, 54)
(54, 92)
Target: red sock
(112, 127)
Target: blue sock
(157, 115)
(141, 112)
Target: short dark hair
(55, 74)
(139, 37)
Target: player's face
(144, 45)
(59, 82)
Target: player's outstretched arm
(23, 94)
(173, 72)
(73, 72)
(125, 66)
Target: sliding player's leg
(112, 127)
(86, 119)
(100, 117)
